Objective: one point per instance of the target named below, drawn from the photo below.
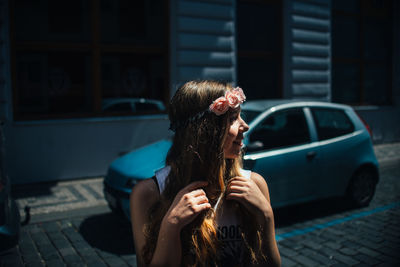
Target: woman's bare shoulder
(261, 183)
(256, 177)
(145, 193)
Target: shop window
(259, 46)
(53, 82)
(70, 56)
(362, 52)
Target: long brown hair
(197, 154)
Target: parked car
(9, 213)
(306, 150)
(132, 105)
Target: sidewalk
(387, 152)
(50, 201)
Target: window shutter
(307, 53)
(205, 41)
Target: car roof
(265, 104)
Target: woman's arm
(254, 195)
(188, 203)
(144, 195)
(270, 244)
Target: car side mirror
(254, 146)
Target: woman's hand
(253, 194)
(187, 205)
(248, 193)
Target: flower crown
(232, 99)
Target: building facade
(60, 61)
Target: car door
(339, 145)
(280, 149)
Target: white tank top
(228, 223)
(161, 176)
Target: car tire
(361, 188)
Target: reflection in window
(331, 123)
(53, 82)
(129, 105)
(281, 129)
(146, 107)
(132, 76)
(71, 55)
(118, 107)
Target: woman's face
(234, 140)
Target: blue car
(306, 150)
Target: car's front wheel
(361, 188)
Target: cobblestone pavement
(48, 201)
(363, 237)
(71, 225)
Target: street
(327, 233)
(322, 233)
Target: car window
(249, 115)
(331, 123)
(119, 107)
(280, 129)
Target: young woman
(202, 209)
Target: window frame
(365, 12)
(95, 49)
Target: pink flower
(239, 93)
(232, 99)
(219, 106)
